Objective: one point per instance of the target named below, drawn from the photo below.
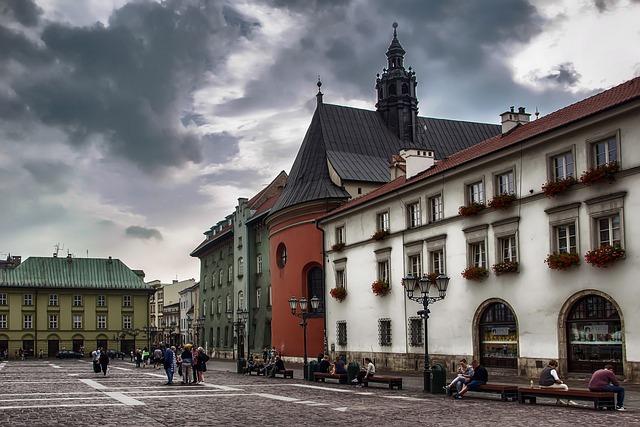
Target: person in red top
(605, 380)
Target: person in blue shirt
(480, 377)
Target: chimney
(511, 118)
(417, 161)
(397, 167)
(139, 273)
(69, 257)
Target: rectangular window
(259, 264)
(341, 278)
(435, 208)
(259, 236)
(219, 305)
(27, 321)
(230, 274)
(383, 271)
(27, 300)
(240, 266)
(220, 277)
(3, 299)
(77, 321)
(126, 322)
(3, 321)
(101, 301)
(101, 321)
(562, 166)
(605, 151)
(609, 230)
(126, 300)
(340, 237)
(415, 265)
(414, 218)
(341, 332)
(478, 254)
(382, 221)
(53, 321)
(437, 261)
(416, 333)
(269, 296)
(475, 192)
(53, 300)
(77, 300)
(258, 295)
(384, 332)
(505, 183)
(508, 249)
(565, 238)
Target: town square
(320, 212)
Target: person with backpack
(201, 364)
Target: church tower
(396, 87)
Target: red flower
(380, 288)
(502, 201)
(562, 261)
(505, 267)
(471, 210)
(475, 273)
(339, 293)
(553, 188)
(606, 172)
(604, 256)
(380, 234)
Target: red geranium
(604, 256)
(553, 188)
(562, 261)
(502, 201)
(339, 293)
(380, 288)
(380, 234)
(606, 172)
(505, 267)
(475, 273)
(472, 209)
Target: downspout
(404, 300)
(324, 269)
(35, 331)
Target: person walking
(145, 357)
(605, 380)
(104, 362)
(169, 363)
(187, 359)
(157, 358)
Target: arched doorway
(28, 346)
(53, 345)
(315, 288)
(594, 335)
(78, 343)
(497, 335)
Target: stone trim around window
(476, 234)
(604, 206)
(506, 227)
(552, 154)
(601, 137)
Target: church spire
(397, 102)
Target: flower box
(431, 277)
(475, 273)
(599, 174)
(562, 261)
(338, 247)
(502, 201)
(505, 267)
(554, 188)
(604, 256)
(339, 293)
(380, 234)
(380, 288)
(472, 209)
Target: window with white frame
(384, 332)
(53, 300)
(505, 183)
(126, 321)
(562, 166)
(240, 266)
(507, 246)
(475, 192)
(564, 238)
(435, 208)
(382, 221)
(53, 321)
(384, 271)
(259, 264)
(241, 300)
(27, 299)
(341, 332)
(414, 218)
(609, 230)
(340, 237)
(228, 307)
(77, 321)
(101, 321)
(436, 261)
(3, 298)
(341, 278)
(219, 311)
(101, 301)
(213, 306)
(126, 300)
(3, 321)
(415, 265)
(77, 300)
(258, 296)
(416, 333)
(220, 277)
(27, 321)
(230, 275)
(605, 151)
(477, 254)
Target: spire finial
(395, 33)
(319, 84)
(319, 94)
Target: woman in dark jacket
(104, 362)
(201, 366)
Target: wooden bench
(600, 399)
(257, 371)
(322, 376)
(287, 373)
(392, 381)
(506, 391)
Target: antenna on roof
(57, 248)
(537, 113)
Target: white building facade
(584, 315)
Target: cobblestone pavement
(67, 392)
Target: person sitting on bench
(549, 379)
(338, 367)
(465, 372)
(365, 373)
(480, 377)
(278, 366)
(605, 380)
(324, 364)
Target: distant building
(165, 294)
(171, 319)
(189, 298)
(48, 304)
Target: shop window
(498, 337)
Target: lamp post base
(427, 380)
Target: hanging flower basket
(604, 256)
(475, 273)
(600, 174)
(472, 209)
(338, 247)
(502, 201)
(339, 293)
(554, 188)
(562, 261)
(380, 288)
(431, 277)
(380, 234)
(505, 267)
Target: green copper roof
(98, 273)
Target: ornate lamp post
(199, 326)
(238, 325)
(303, 314)
(425, 287)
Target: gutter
(325, 344)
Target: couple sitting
(470, 377)
(335, 368)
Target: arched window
(498, 337)
(392, 89)
(315, 288)
(281, 255)
(405, 88)
(213, 306)
(228, 306)
(240, 266)
(594, 334)
(219, 305)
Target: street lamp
(425, 286)
(238, 325)
(303, 314)
(188, 332)
(199, 326)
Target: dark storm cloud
(127, 82)
(220, 147)
(53, 175)
(25, 12)
(564, 74)
(144, 233)
(236, 177)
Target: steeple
(396, 87)
(319, 94)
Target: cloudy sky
(127, 128)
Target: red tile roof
(268, 204)
(618, 95)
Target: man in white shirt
(365, 373)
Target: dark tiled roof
(225, 231)
(616, 96)
(359, 145)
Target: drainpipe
(324, 272)
(404, 300)
(35, 329)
